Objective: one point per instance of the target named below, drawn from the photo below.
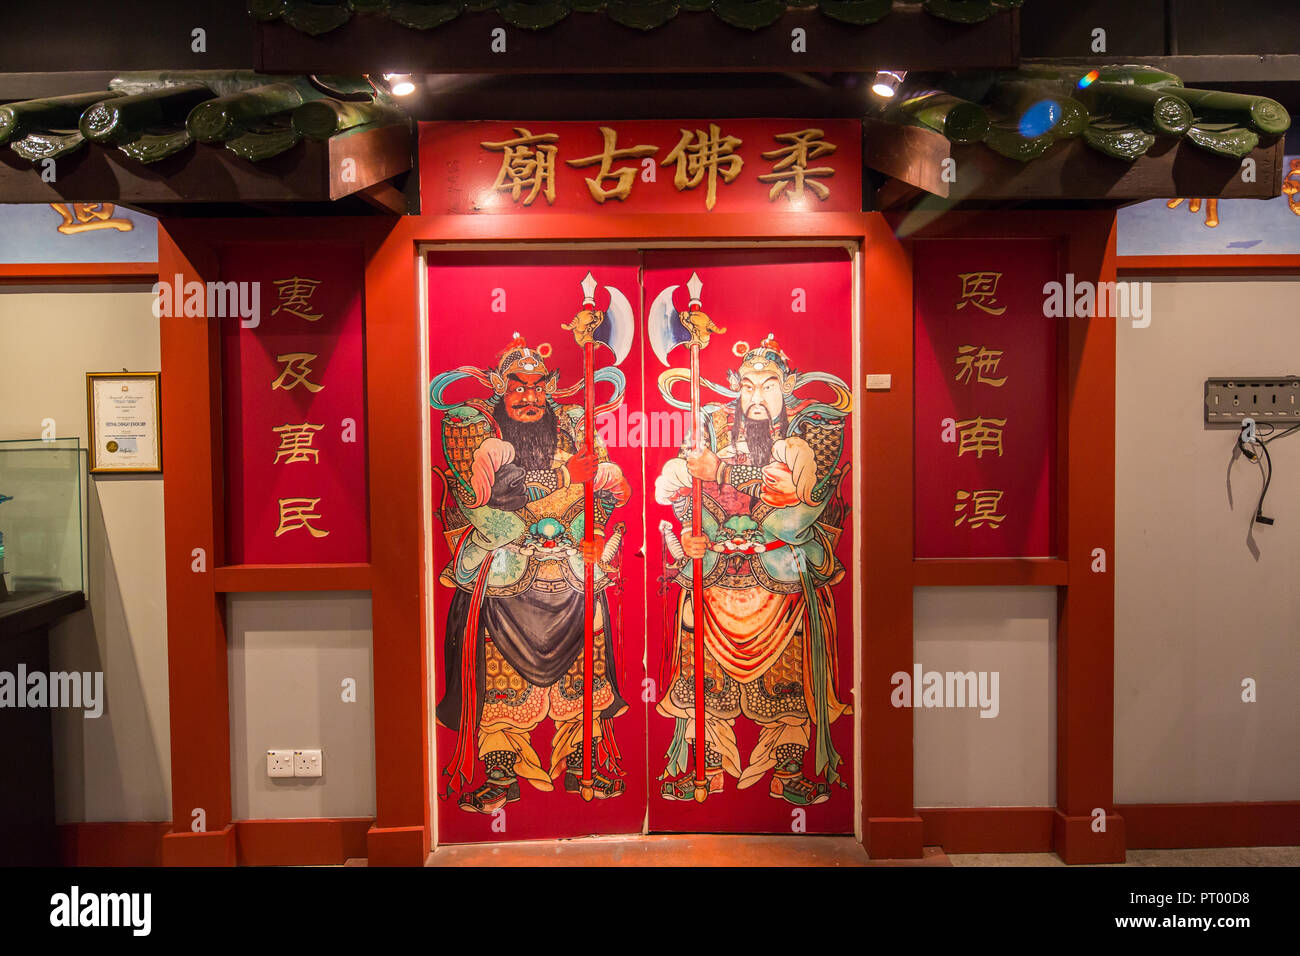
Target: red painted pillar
(1085, 709)
(401, 832)
(202, 834)
(891, 828)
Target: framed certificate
(123, 411)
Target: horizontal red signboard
(642, 166)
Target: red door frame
(401, 832)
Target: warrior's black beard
(758, 435)
(534, 442)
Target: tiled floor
(717, 850)
(1227, 856)
(662, 850)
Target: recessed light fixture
(887, 82)
(400, 84)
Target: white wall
(1203, 600)
(960, 758)
(289, 656)
(117, 767)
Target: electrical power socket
(307, 763)
(279, 763)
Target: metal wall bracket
(1266, 399)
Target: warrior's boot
(789, 783)
(682, 787)
(603, 785)
(501, 787)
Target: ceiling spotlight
(400, 84)
(887, 82)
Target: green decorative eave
(152, 116)
(317, 17)
(1122, 111)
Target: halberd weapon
(669, 328)
(613, 329)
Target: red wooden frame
(1279, 264)
(98, 273)
(1085, 522)
(401, 833)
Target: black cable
(1259, 508)
(1262, 440)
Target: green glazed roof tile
(1121, 112)
(153, 116)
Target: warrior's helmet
(518, 357)
(767, 356)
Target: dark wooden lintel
(202, 173)
(907, 38)
(358, 160)
(909, 154)
(385, 197)
(1072, 171)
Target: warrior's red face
(525, 397)
(760, 395)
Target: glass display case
(42, 516)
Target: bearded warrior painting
(766, 468)
(513, 513)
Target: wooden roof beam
(906, 39)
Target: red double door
(773, 583)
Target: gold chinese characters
(625, 175)
(982, 363)
(295, 297)
(979, 435)
(792, 165)
(980, 290)
(978, 508)
(297, 441)
(297, 514)
(705, 157)
(527, 162)
(708, 157)
(297, 366)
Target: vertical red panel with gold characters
(986, 386)
(294, 402)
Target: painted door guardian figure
(767, 466)
(514, 514)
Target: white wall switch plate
(279, 763)
(307, 763)
(879, 382)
